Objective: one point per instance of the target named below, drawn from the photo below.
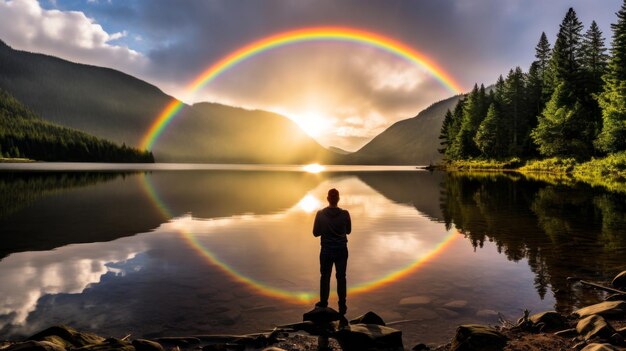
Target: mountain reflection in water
(189, 252)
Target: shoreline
(597, 327)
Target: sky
(343, 94)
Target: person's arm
(316, 225)
(349, 223)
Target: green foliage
(609, 172)
(612, 100)
(562, 129)
(488, 138)
(475, 108)
(24, 135)
(485, 164)
(550, 165)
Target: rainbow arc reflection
(307, 204)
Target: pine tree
(452, 149)
(488, 139)
(544, 72)
(473, 114)
(594, 63)
(565, 127)
(612, 100)
(444, 134)
(515, 110)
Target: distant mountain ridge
(114, 105)
(412, 141)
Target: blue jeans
(338, 257)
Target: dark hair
(333, 196)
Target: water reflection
(562, 230)
(167, 253)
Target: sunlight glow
(314, 123)
(313, 168)
(309, 203)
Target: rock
(178, 341)
(456, 305)
(447, 313)
(322, 315)
(66, 337)
(487, 313)
(415, 300)
(616, 297)
(472, 337)
(599, 347)
(567, 333)
(594, 326)
(369, 337)
(33, 345)
(110, 344)
(605, 309)
(579, 346)
(421, 314)
(420, 347)
(622, 331)
(224, 347)
(368, 318)
(619, 282)
(146, 345)
(274, 349)
(308, 327)
(551, 320)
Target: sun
(314, 123)
(313, 168)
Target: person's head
(333, 197)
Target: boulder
(605, 309)
(146, 345)
(178, 341)
(415, 300)
(67, 337)
(110, 344)
(369, 337)
(368, 318)
(456, 305)
(273, 348)
(594, 326)
(567, 333)
(619, 282)
(470, 337)
(33, 345)
(551, 320)
(599, 347)
(308, 327)
(322, 315)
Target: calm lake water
(195, 249)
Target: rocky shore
(598, 327)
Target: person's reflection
(333, 224)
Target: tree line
(571, 103)
(23, 134)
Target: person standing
(333, 224)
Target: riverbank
(608, 172)
(598, 327)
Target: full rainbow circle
(294, 296)
(341, 34)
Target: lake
(165, 250)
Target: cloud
(25, 25)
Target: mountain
(24, 134)
(411, 141)
(116, 106)
(338, 150)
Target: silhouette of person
(333, 224)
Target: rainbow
(287, 295)
(341, 34)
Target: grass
(15, 160)
(608, 172)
